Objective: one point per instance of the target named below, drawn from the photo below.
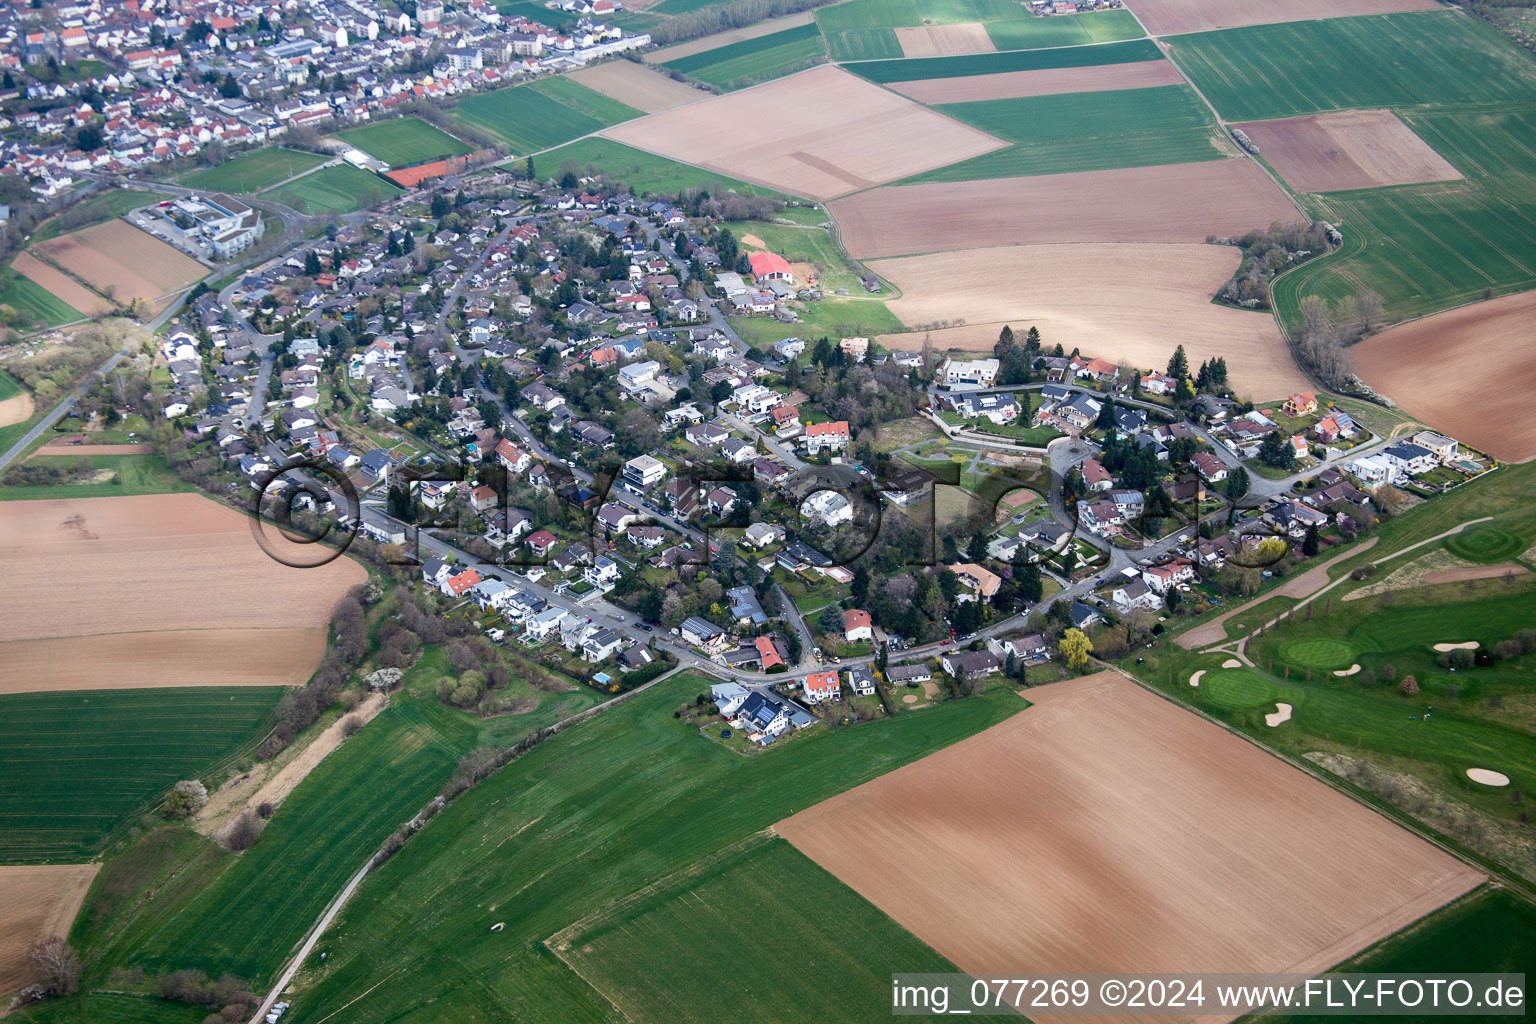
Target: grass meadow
(339, 189)
(804, 245)
(886, 71)
(655, 954)
(1088, 131)
(75, 766)
(130, 475)
(753, 60)
(834, 316)
(45, 309)
(403, 141)
(644, 173)
(542, 114)
(253, 171)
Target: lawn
(644, 173)
(594, 814)
(832, 317)
(534, 12)
(805, 245)
(1130, 52)
(542, 114)
(1238, 689)
(339, 189)
(134, 474)
(24, 294)
(1437, 58)
(655, 954)
(1487, 545)
(1085, 132)
(403, 141)
(254, 171)
(754, 60)
(74, 767)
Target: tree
(1030, 584)
(1409, 686)
(229, 88)
(56, 966)
(1309, 545)
(976, 550)
(1275, 451)
(243, 833)
(1178, 364)
(1184, 394)
(1237, 483)
(1074, 647)
(185, 799)
(1106, 420)
(1005, 343)
(830, 621)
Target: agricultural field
(60, 288)
(403, 141)
(1350, 150)
(1486, 403)
(108, 476)
(654, 953)
(1089, 131)
(254, 171)
(848, 135)
(833, 316)
(887, 71)
(1143, 294)
(1136, 204)
(339, 189)
(1436, 58)
(753, 60)
(37, 902)
(23, 294)
(106, 205)
(644, 173)
(1034, 33)
(944, 40)
(16, 404)
(720, 39)
(173, 579)
(123, 262)
(78, 766)
(1188, 817)
(522, 848)
(1175, 17)
(542, 114)
(636, 85)
(1007, 85)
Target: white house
(828, 506)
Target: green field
(753, 60)
(1487, 545)
(1086, 131)
(860, 14)
(99, 207)
(863, 44)
(834, 316)
(656, 954)
(38, 302)
(254, 171)
(1438, 58)
(75, 766)
(1318, 652)
(885, 71)
(804, 245)
(534, 12)
(403, 141)
(864, 29)
(135, 474)
(10, 387)
(645, 173)
(1238, 688)
(1031, 32)
(110, 1008)
(594, 814)
(339, 189)
(542, 114)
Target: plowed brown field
(1353, 149)
(60, 285)
(1119, 301)
(1108, 829)
(1171, 203)
(1007, 85)
(944, 40)
(158, 590)
(116, 255)
(819, 134)
(1468, 372)
(637, 85)
(1172, 17)
(37, 901)
(16, 409)
(719, 39)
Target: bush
(185, 799)
(242, 835)
(265, 809)
(1409, 686)
(56, 966)
(351, 724)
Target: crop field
(719, 39)
(99, 207)
(655, 953)
(403, 141)
(1487, 402)
(172, 577)
(1008, 85)
(1437, 58)
(76, 766)
(110, 1008)
(1032, 33)
(16, 405)
(1350, 150)
(254, 171)
(636, 85)
(1190, 820)
(46, 309)
(753, 60)
(886, 71)
(37, 902)
(122, 476)
(1123, 317)
(119, 260)
(339, 189)
(592, 815)
(1175, 17)
(1089, 131)
(1135, 204)
(60, 286)
(542, 114)
(847, 135)
(944, 40)
(645, 173)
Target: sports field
(753, 60)
(74, 767)
(339, 189)
(643, 172)
(655, 953)
(254, 171)
(1087, 131)
(885, 71)
(542, 114)
(403, 141)
(1099, 780)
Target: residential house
(822, 686)
(819, 437)
(1303, 403)
(857, 625)
(969, 664)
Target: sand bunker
(909, 699)
(16, 409)
(1231, 663)
(1347, 671)
(1194, 680)
(1466, 645)
(1282, 715)
(1487, 778)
